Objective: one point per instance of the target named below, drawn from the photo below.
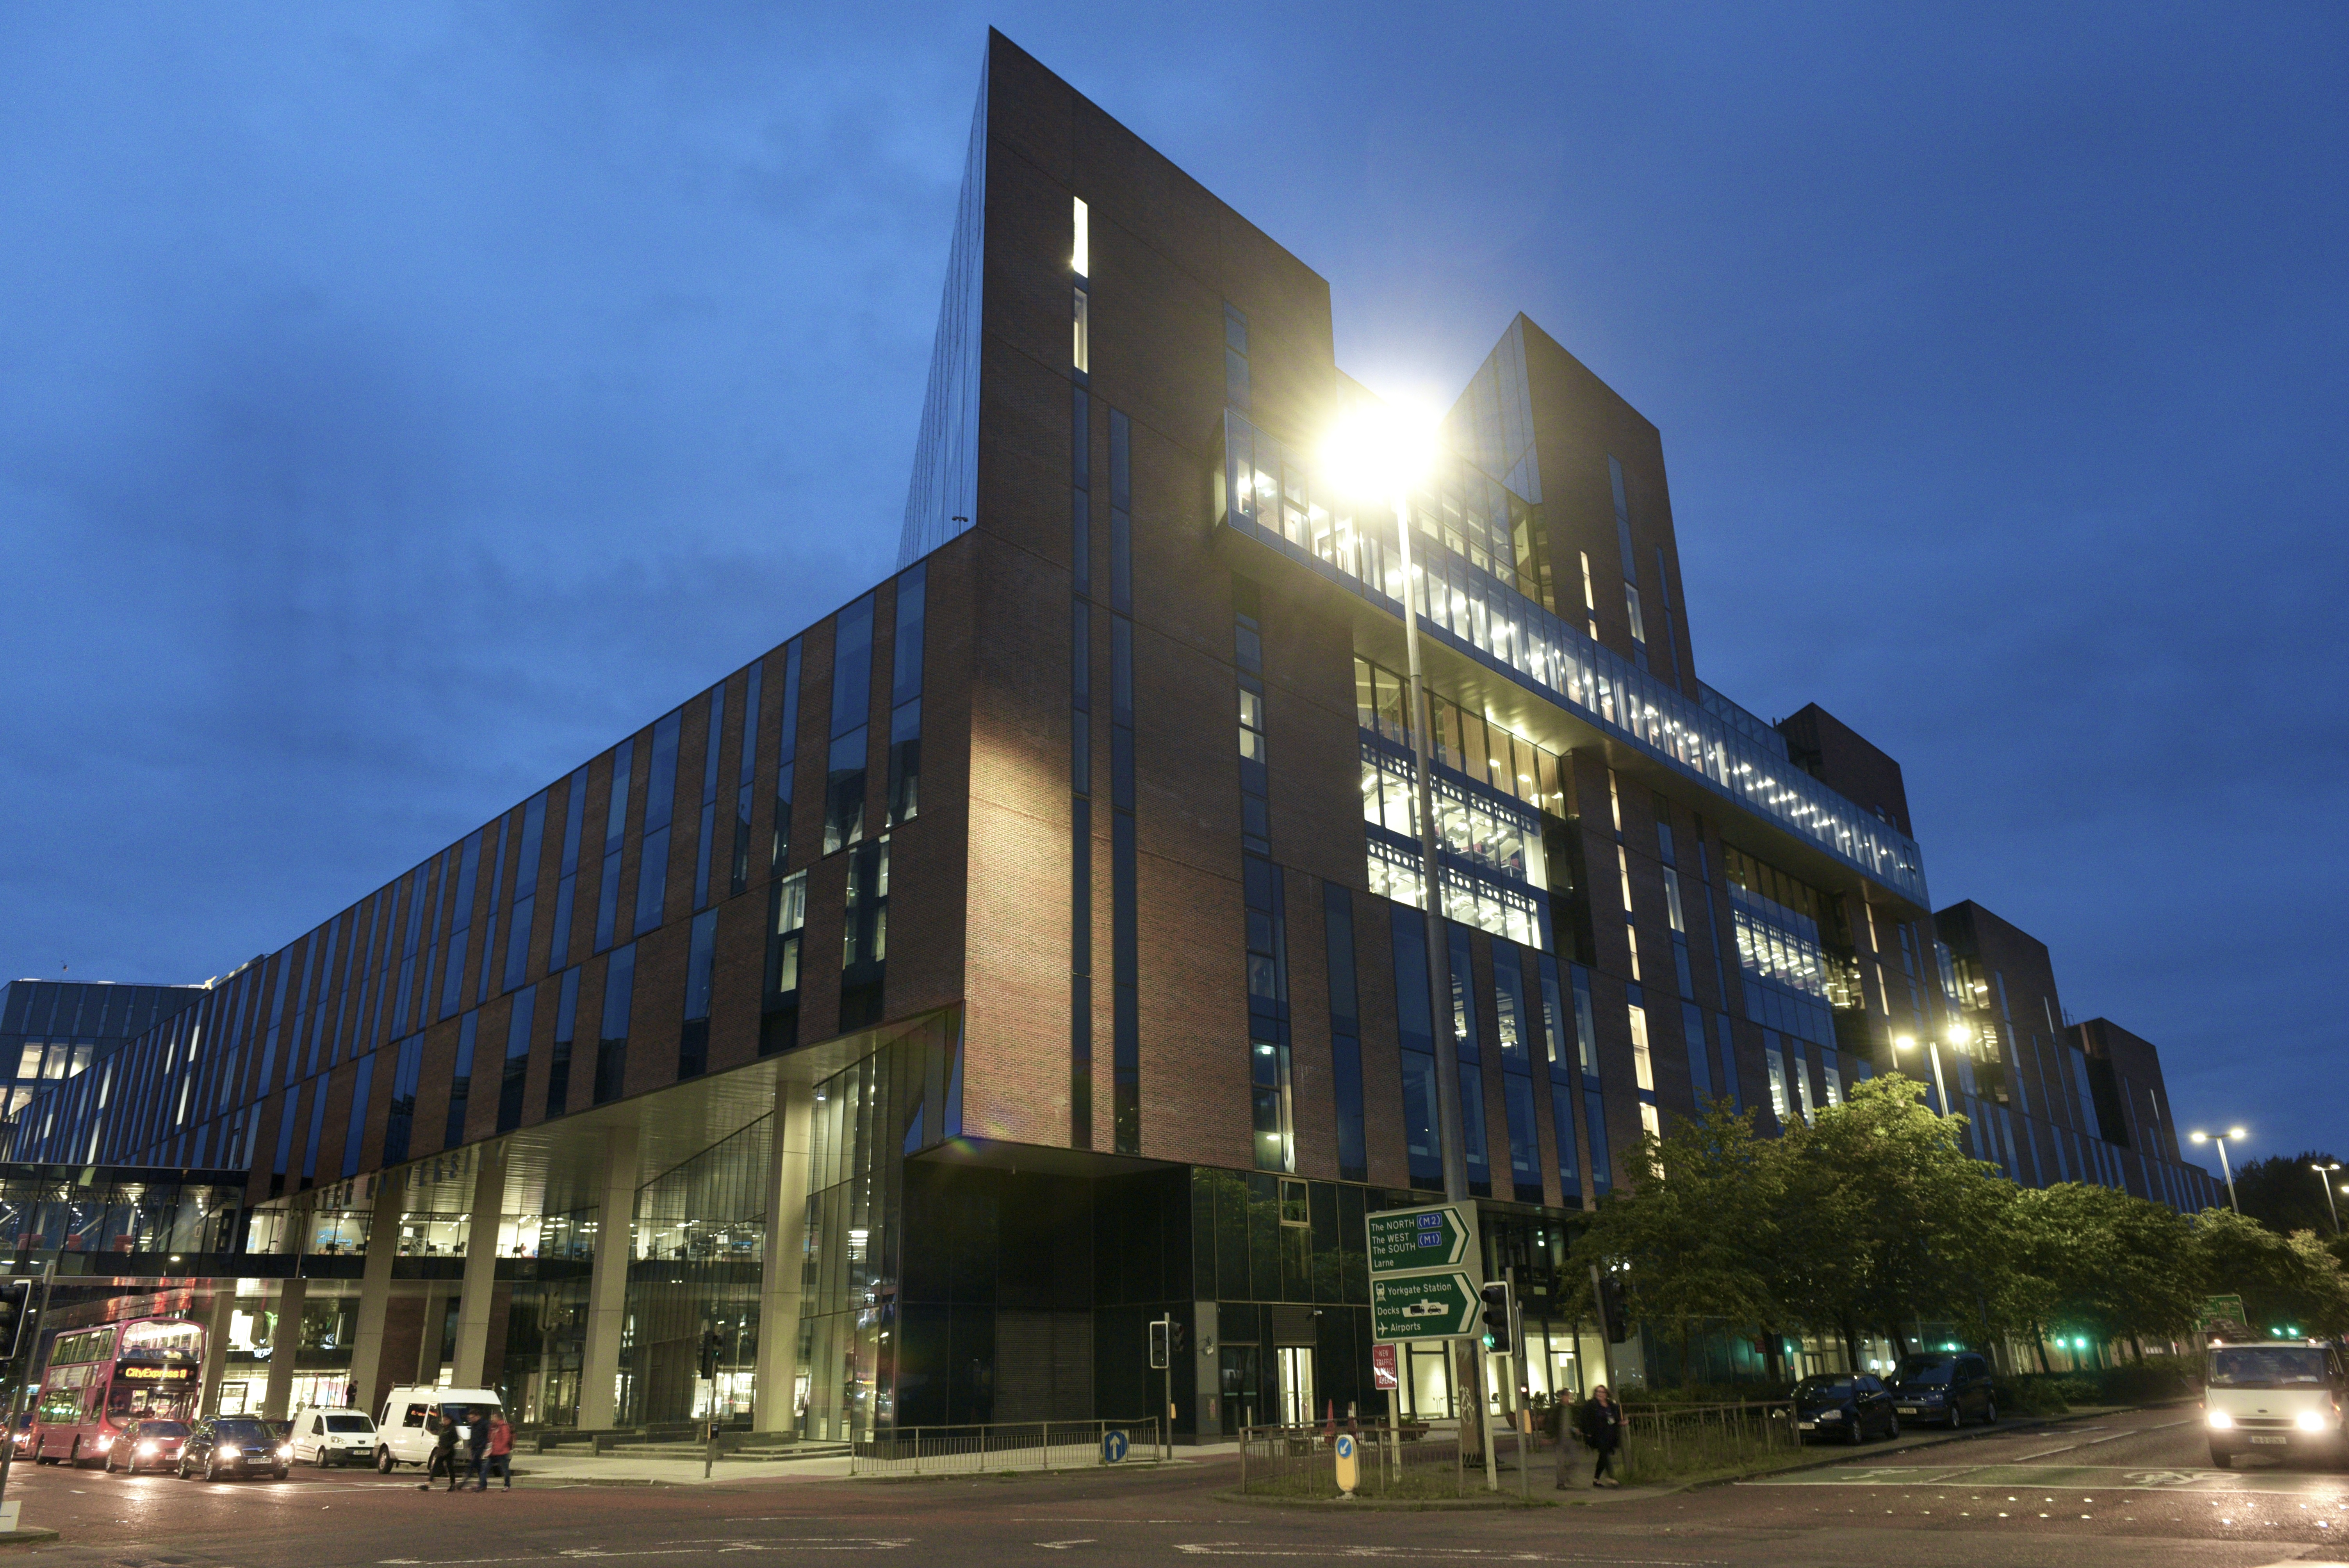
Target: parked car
(2280, 1396)
(1847, 1406)
(1947, 1388)
(150, 1445)
(233, 1446)
(22, 1435)
(323, 1437)
(403, 1436)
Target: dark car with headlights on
(228, 1446)
(1848, 1407)
(149, 1445)
(1947, 1389)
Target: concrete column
(216, 1347)
(374, 1288)
(473, 1309)
(772, 1408)
(284, 1345)
(607, 1283)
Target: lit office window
(1081, 259)
(1083, 351)
(1643, 1067)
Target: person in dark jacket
(1601, 1422)
(477, 1447)
(444, 1454)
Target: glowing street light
(2220, 1139)
(1933, 1049)
(2324, 1176)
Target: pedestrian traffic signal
(1500, 1330)
(15, 1305)
(1162, 1344)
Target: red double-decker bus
(103, 1379)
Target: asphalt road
(2130, 1491)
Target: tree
(2283, 1194)
(2098, 1259)
(2286, 1282)
(1694, 1230)
(1889, 1218)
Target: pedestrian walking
(1601, 1422)
(477, 1449)
(1563, 1417)
(443, 1461)
(501, 1460)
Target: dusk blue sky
(398, 404)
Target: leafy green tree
(2286, 1282)
(1694, 1233)
(2100, 1261)
(1890, 1219)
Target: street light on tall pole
(1376, 451)
(2324, 1175)
(2220, 1139)
(1933, 1048)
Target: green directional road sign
(1404, 1241)
(1424, 1306)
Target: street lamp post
(1376, 452)
(2324, 1176)
(2225, 1169)
(1933, 1049)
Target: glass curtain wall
(693, 1285)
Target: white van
(2279, 1396)
(402, 1436)
(322, 1437)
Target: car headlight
(230, 1450)
(105, 1442)
(285, 1450)
(2310, 1421)
(1830, 1415)
(147, 1447)
(2221, 1420)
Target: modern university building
(1029, 948)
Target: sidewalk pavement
(560, 1470)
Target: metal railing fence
(1412, 1459)
(1661, 1440)
(1004, 1446)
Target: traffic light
(1162, 1344)
(15, 1306)
(712, 1343)
(1500, 1333)
(1181, 1340)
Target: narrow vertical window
(461, 1082)
(516, 1071)
(1080, 257)
(566, 873)
(705, 842)
(1513, 1028)
(864, 936)
(1267, 992)
(852, 700)
(490, 965)
(1472, 1145)
(1416, 1031)
(615, 831)
(558, 1064)
(1700, 1069)
(746, 771)
(354, 1131)
(779, 1018)
(399, 1129)
(1082, 361)
(693, 1040)
(460, 924)
(787, 750)
(525, 891)
(905, 699)
(1345, 1031)
(660, 807)
(1557, 1056)
(612, 1032)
